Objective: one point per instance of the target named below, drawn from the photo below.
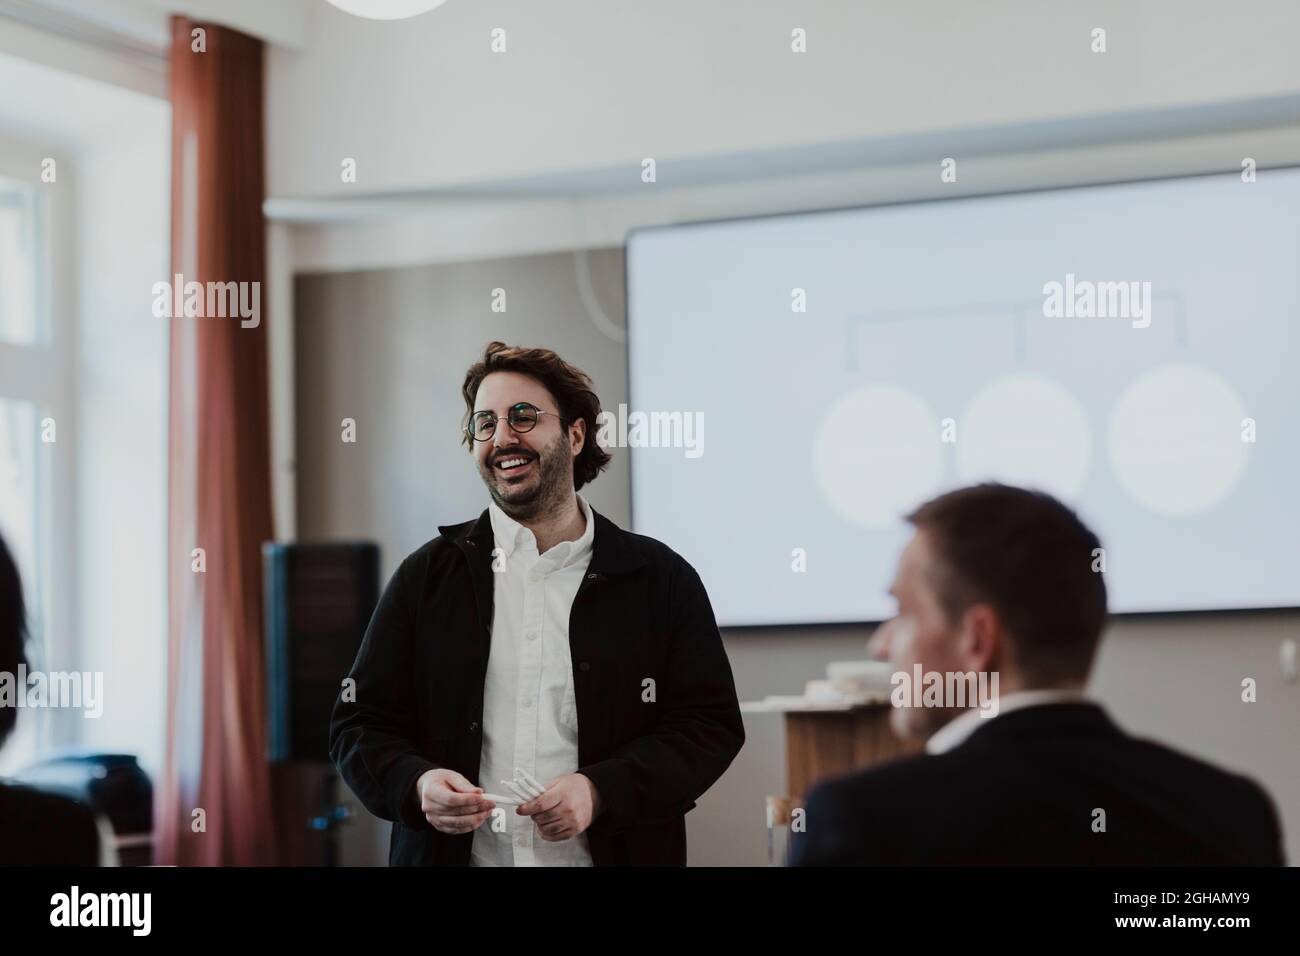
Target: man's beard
(554, 482)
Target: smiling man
(540, 638)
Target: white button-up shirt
(530, 716)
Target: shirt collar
(509, 535)
(966, 723)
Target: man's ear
(578, 441)
(982, 637)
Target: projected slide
(1132, 349)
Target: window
(19, 272)
(24, 478)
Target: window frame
(40, 373)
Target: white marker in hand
(530, 781)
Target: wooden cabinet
(820, 744)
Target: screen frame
(633, 233)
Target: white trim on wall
(280, 362)
(346, 235)
(114, 66)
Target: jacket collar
(612, 550)
(1058, 721)
(966, 723)
(509, 535)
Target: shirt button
(532, 635)
(521, 841)
(528, 702)
(584, 666)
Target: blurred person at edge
(37, 828)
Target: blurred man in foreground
(1001, 581)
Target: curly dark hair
(570, 386)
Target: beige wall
(389, 348)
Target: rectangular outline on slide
(632, 235)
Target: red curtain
(214, 803)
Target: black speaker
(319, 598)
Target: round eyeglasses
(522, 417)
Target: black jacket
(641, 612)
(1022, 790)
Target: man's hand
(451, 803)
(565, 808)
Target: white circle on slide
(877, 454)
(1175, 439)
(386, 9)
(1026, 430)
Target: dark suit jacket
(641, 612)
(42, 829)
(1022, 790)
